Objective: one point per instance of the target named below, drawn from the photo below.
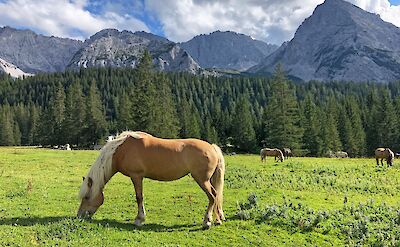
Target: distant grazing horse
(341, 154)
(271, 152)
(287, 152)
(384, 153)
(139, 155)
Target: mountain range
(339, 41)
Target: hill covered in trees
(83, 107)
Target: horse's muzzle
(84, 214)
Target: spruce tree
(244, 136)
(282, 114)
(144, 94)
(329, 128)
(311, 125)
(163, 115)
(96, 125)
(75, 113)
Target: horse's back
(164, 159)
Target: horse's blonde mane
(101, 170)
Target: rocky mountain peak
(340, 41)
(113, 48)
(227, 50)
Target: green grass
(39, 188)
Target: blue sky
(273, 21)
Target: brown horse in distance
(277, 153)
(139, 155)
(384, 153)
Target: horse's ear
(90, 182)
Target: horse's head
(90, 201)
(390, 157)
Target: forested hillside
(83, 107)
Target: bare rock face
(112, 48)
(227, 50)
(36, 53)
(339, 41)
(11, 69)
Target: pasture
(302, 201)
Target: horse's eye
(86, 197)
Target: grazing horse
(287, 152)
(384, 153)
(140, 155)
(341, 154)
(271, 152)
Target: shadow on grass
(151, 227)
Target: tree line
(83, 107)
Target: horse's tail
(217, 180)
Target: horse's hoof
(218, 222)
(206, 225)
(138, 222)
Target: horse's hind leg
(138, 184)
(212, 195)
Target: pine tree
(190, 120)
(164, 120)
(7, 137)
(312, 132)
(329, 128)
(282, 114)
(95, 120)
(75, 113)
(144, 94)
(34, 114)
(124, 117)
(244, 136)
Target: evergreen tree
(312, 132)
(33, 125)
(190, 120)
(7, 137)
(75, 113)
(282, 114)
(244, 136)
(95, 120)
(329, 129)
(144, 94)
(125, 119)
(163, 115)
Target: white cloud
(63, 18)
(274, 21)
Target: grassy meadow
(303, 201)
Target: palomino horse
(384, 153)
(139, 155)
(287, 152)
(271, 152)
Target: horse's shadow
(150, 227)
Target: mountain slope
(112, 48)
(36, 53)
(339, 41)
(227, 50)
(11, 69)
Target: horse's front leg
(138, 184)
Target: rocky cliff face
(339, 41)
(11, 69)
(227, 50)
(112, 48)
(36, 53)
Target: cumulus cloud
(273, 21)
(63, 18)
